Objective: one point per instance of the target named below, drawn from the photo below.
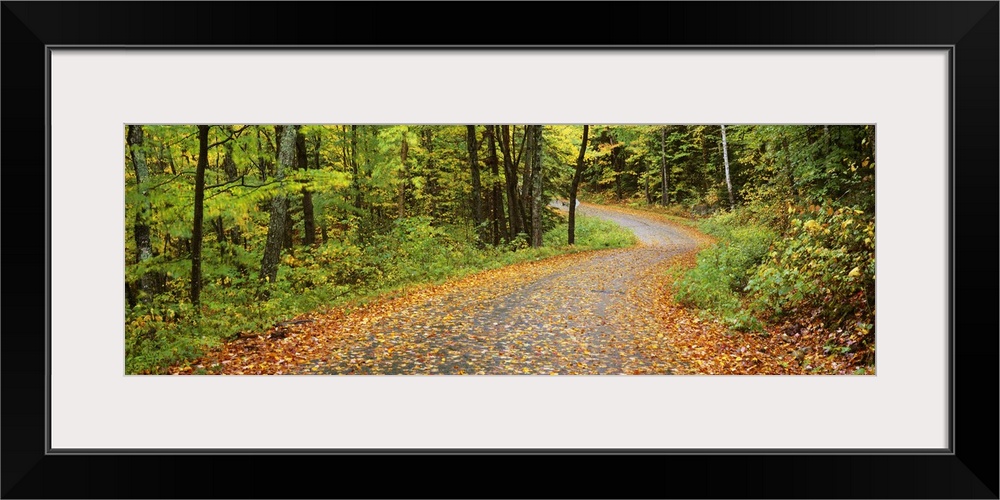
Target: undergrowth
(168, 330)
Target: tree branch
(233, 135)
(230, 188)
(182, 139)
(188, 172)
(240, 179)
(520, 153)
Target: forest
(499, 249)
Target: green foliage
(414, 251)
(723, 271)
(826, 264)
(591, 233)
(823, 267)
(393, 207)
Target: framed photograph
(913, 83)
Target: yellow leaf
(854, 273)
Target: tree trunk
(220, 232)
(143, 245)
(514, 210)
(232, 174)
(199, 201)
(432, 180)
(316, 166)
(261, 164)
(355, 171)
(789, 168)
(575, 185)
(705, 185)
(649, 198)
(536, 184)
(496, 200)
(404, 150)
(286, 235)
(725, 160)
(286, 239)
(308, 215)
(170, 161)
(275, 228)
(526, 181)
(477, 186)
(665, 197)
(616, 167)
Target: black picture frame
(968, 470)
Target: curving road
(576, 314)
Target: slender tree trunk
(170, 161)
(725, 160)
(536, 184)
(286, 235)
(308, 215)
(789, 168)
(526, 202)
(319, 143)
(574, 187)
(199, 201)
(432, 180)
(220, 232)
(140, 227)
(526, 181)
(477, 187)
(616, 167)
(261, 164)
(704, 165)
(404, 150)
(316, 166)
(649, 198)
(286, 238)
(275, 228)
(232, 174)
(514, 211)
(665, 197)
(496, 202)
(345, 153)
(355, 170)
(279, 132)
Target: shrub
(826, 265)
(722, 272)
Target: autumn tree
(515, 206)
(477, 186)
(725, 157)
(199, 212)
(279, 207)
(577, 175)
(144, 248)
(308, 212)
(499, 225)
(664, 176)
(534, 133)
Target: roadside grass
(413, 253)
